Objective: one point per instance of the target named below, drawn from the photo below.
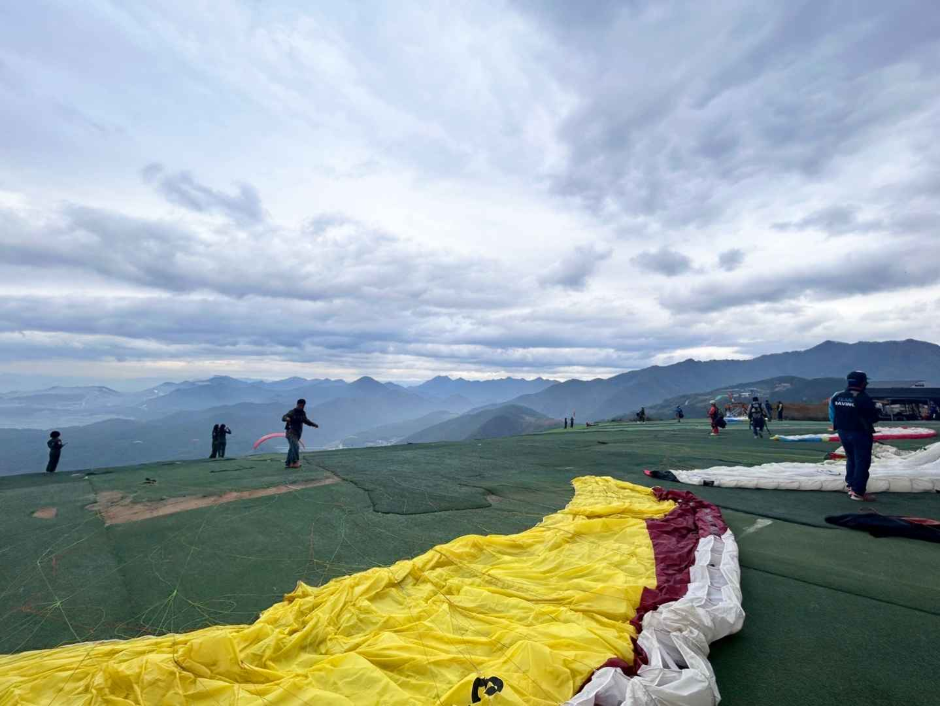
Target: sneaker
(864, 498)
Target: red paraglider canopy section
(275, 435)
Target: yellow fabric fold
(500, 620)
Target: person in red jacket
(714, 414)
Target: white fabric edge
(676, 636)
(884, 434)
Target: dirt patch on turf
(494, 499)
(116, 508)
(46, 513)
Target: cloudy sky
(404, 189)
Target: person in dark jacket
(769, 408)
(854, 417)
(756, 416)
(223, 430)
(215, 441)
(55, 445)
(295, 421)
(779, 411)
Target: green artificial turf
(833, 614)
(805, 645)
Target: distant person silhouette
(779, 411)
(769, 408)
(55, 445)
(679, 413)
(215, 441)
(566, 422)
(223, 430)
(295, 421)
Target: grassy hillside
(491, 423)
(393, 433)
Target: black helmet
(857, 380)
(754, 399)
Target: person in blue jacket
(854, 415)
(832, 409)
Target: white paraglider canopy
(892, 471)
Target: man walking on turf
(755, 414)
(55, 451)
(854, 417)
(295, 420)
(223, 430)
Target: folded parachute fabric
(619, 593)
(881, 434)
(889, 525)
(891, 471)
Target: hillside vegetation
(506, 420)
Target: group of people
(569, 423)
(294, 422)
(758, 415)
(853, 415)
(220, 434)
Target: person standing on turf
(755, 414)
(854, 417)
(566, 422)
(679, 414)
(769, 408)
(295, 421)
(713, 414)
(223, 430)
(215, 441)
(55, 445)
(779, 411)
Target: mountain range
(622, 394)
(173, 420)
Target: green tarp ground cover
(73, 578)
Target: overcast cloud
(410, 189)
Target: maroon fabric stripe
(675, 538)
